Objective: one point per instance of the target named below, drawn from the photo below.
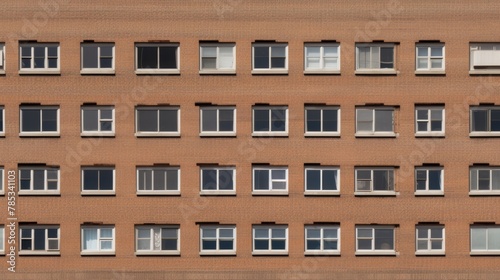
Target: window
(429, 121)
(375, 122)
(2, 240)
(430, 240)
(98, 180)
(484, 58)
(268, 180)
(322, 58)
(375, 59)
(217, 58)
(218, 180)
(39, 58)
(322, 180)
(2, 123)
(485, 121)
(217, 240)
(2, 58)
(322, 240)
(485, 180)
(39, 121)
(39, 240)
(98, 240)
(270, 240)
(218, 121)
(2, 177)
(98, 120)
(38, 180)
(430, 58)
(157, 240)
(98, 58)
(375, 181)
(322, 121)
(158, 180)
(157, 58)
(270, 58)
(375, 240)
(485, 240)
(157, 121)
(429, 180)
(270, 121)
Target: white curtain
(90, 239)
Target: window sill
(269, 134)
(158, 134)
(98, 193)
(110, 253)
(429, 134)
(2, 72)
(376, 134)
(321, 72)
(157, 72)
(484, 193)
(220, 253)
(97, 71)
(485, 134)
(318, 193)
(37, 192)
(322, 134)
(376, 253)
(429, 193)
(376, 72)
(173, 193)
(485, 72)
(269, 192)
(430, 253)
(161, 253)
(375, 193)
(97, 134)
(216, 193)
(270, 72)
(218, 72)
(270, 253)
(321, 253)
(430, 72)
(217, 134)
(485, 253)
(40, 72)
(39, 134)
(40, 253)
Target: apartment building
(234, 139)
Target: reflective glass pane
(168, 57)
(90, 120)
(172, 180)
(226, 179)
(90, 57)
(106, 180)
(168, 120)
(209, 177)
(313, 244)
(313, 180)
(90, 180)
(261, 120)
(329, 180)
(49, 120)
(383, 120)
(226, 122)
(31, 120)
(313, 120)
(435, 180)
(261, 58)
(330, 120)
(147, 120)
(278, 120)
(261, 179)
(479, 120)
(209, 120)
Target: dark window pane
(106, 62)
(479, 120)
(225, 245)
(261, 179)
(106, 180)
(145, 179)
(313, 120)
(26, 51)
(106, 51)
(39, 239)
(26, 63)
(90, 120)
(329, 180)
(495, 120)
(380, 180)
(168, 57)
(26, 244)
(364, 244)
(39, 57)
(31, 119)
(313, 179)
(261, 120)
(383, 120)
(52, 233)
(261, 57)
(384, 239)
(278, 62)
(209, 121)
(209, 245)
(168, 120)
(89, 57)
(159, 180)
(278, 120)
(49, 120)
(313, 245)
(434, 180)
(147, 120)
(39, 62)
(147, 57)
(330, 120)
(225, 179)
(226, 122)
(106, 126)
(52, 51)
(209, 179)
(208, 63)
(436, 125)
(387, 57)
(169, 244)
(90, 179)
(38, 179)
(1, 119)
(261, 244)
(172, 183)
(278, 244)
(330, 245)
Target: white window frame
(322, 69)
(427, 169)
(218, 191)
(270, 132)
(158, 133)
(322, 238)
(2, 240)
(32, 69)
(217, 251)
(372, 191)
(373, 251)
(270, 251)
(158, 192)
(97, 192)
(99, 251)
(39, 133)
(98, 69)
(2, 180)
(487, 228)
(153, 238)
(322, 133)
(45, 191)
(217, 132)
(46, 251)
(476, 51)
(373, 132)
(218, 69)
(429, 239)
(428, 132)
(2, 120)
(98, 132)
(321, 191)
(270, 69)
(476, 169)
(429, 57)
(2, 58)
(270, 191)
(158, 70)
(487, 133)
(377, 71)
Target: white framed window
(484, 58)
(429, 58)
(157, 240)
(218, 121)
(270, 180)
(375, 181)
(322, 121)
(2, 120)
(38, 180)
(484, 121)
(2, 178)
(2, 58)
(98, 240)
(158, 180)
(157, 121)
(39, 240)
(429, 240)
(270, 121)
(429, 180)
(485, 240)
(217, 240)
(484, 180)
(97, 58)
(321, 58)
(375, 240)
(39, 121)
(98, 180)
(269, 58)
(217, 58)
(375, 58)
(2, 240)
(218, 180)
(39, 58)
(98, 120)
(270, 240)
(322, 240)
(155, 58)
(429, 121)
(322, 180)
(375, 122)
